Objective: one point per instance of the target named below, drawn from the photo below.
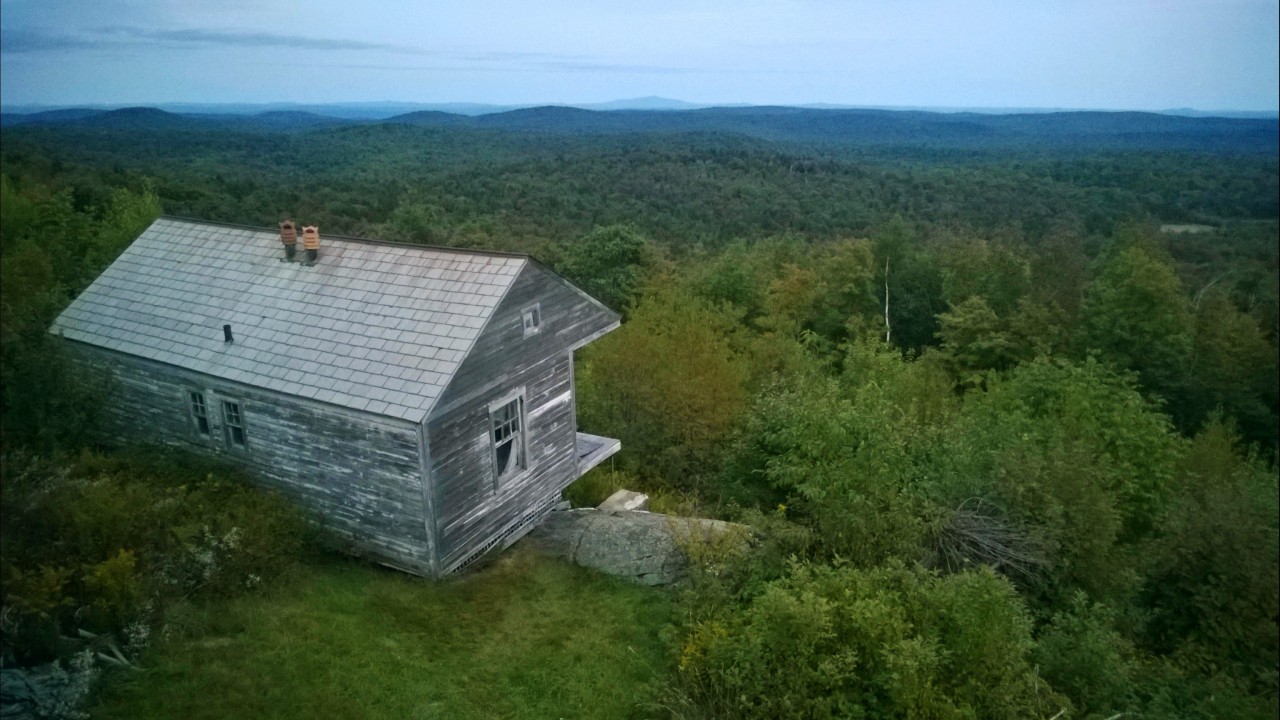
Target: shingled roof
(380, 327)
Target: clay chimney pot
(311, 243)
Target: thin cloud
(537, 61)
(37, 40)
(579, 66)
(28, 41)
(509, 56)
(237, 38)
(522, 68)
(120, 37)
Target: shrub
(117, 589)
(104, 543)
(1212, 573)
(1082, 655)
(1053, 404)
(843, 466)
(847, 642)
(1072, 458)
(1167, 692)
(34, 603)
(668, 384)
(51, 250)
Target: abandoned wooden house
(418, 400)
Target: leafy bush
(1167, 692)
(104, 543)
(1073, 458)
(34, 603)
(1135, 313)
(1082, 653)
(845, 642)
(1213, 571)
(1083, 656)
(117, 589)
(1058, 405)
(50, 251)
(840, 466)
(607, 263)
(844, 455)
(668, 385)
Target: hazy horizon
(1203, 55)
(473, 108)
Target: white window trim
(522, 466)
(536, 311)
(227, 432)
(188, 397)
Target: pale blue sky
(1111, 54)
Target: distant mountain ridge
(857, 127)
(386, 109)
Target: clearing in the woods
(526, 637)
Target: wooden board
(473, 509)
(359, 474)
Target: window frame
(198, 410)
(232, 421)
(520, 438)
(533, 312)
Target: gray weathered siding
(472, 511)
(359, 473)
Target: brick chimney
(288, 238)
(311, 242)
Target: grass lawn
(526, 637)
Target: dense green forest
(1007, 432)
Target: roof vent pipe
(311, 242)
(288, 238)
(226, 333)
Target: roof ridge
(384, 338)
(349, 238)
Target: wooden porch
(593, 450)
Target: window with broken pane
(507, 423)
(532, 318)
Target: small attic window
(532, 317)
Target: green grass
(526, 637)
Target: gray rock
(648, 548)
(624, 500)
(47, 691)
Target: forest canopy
(1006, 429)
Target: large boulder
(648, 548)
